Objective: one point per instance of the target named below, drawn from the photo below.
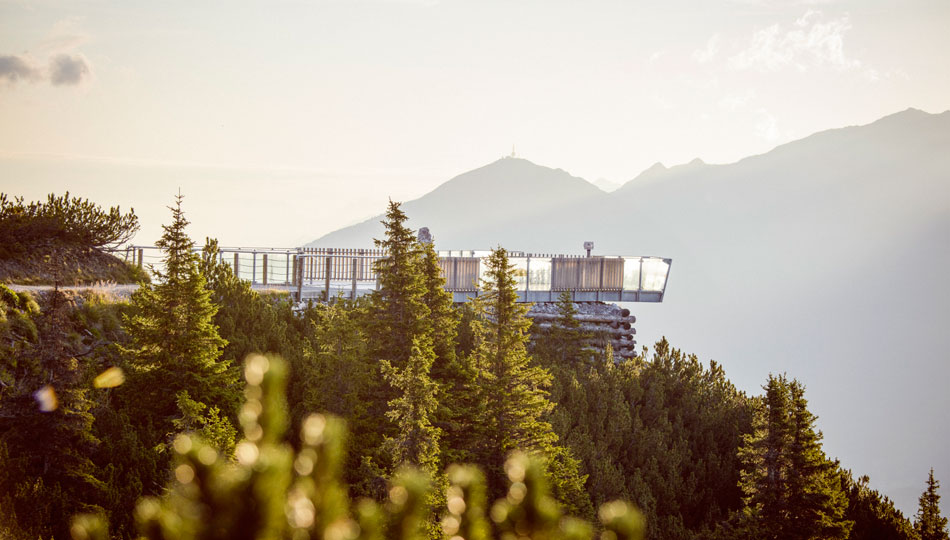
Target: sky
(282, 121)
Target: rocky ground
(67, 266)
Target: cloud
(64, 65)
(14, 68)
(67, 69)
(811, 42)
(706, 54)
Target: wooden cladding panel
(460, 273)
(586, 274)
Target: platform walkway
(319, 273)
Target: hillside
(510, 192)
(824, 258)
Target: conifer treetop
(929, 524)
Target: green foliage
(248, 321)
(206, 422)
(46, 435)
(466, 503)
(400, 314)
(18, 334)
(791, 489)
(443, 318)
(401, 334)
(419, 382)
(175, 347)
(874, 516)
(512, 389)
(563, 345)
(929, 524)
(271, 492)
(661, 431)
(61, 220)
(417, 440)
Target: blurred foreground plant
(269, 492)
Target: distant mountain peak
(658, 170)
(606, 185)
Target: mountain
(826, 258)
(510, 192)
(606, 185)
(659, 172)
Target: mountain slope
(510, 192)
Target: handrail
(539, 277)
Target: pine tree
(417, 440)
(175, 345)
(791, 489)
(929, 523)
(400, 334)
(513, 390)
(818, 503)
(442, 317)
(399, 312)
(874, 515)
(563, 345)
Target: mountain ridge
(538, 185)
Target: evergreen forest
(200, 408)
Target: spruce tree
(399, 311)
(417, 440)
(175, 345)
(874, 515)
(929, 524)
(563, 345)
(817, 502)
(513, 389)
(442, 317)
(452, 372)
(400, 334)
(791, 489)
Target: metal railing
(328, 272)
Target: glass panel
(519, 272)
(631, 273)
(540, 275)
(654, 274)
(482, 271)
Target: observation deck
(320, 273)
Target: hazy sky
(282, 121)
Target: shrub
(271, 492)
(61, 220)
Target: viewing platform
(320, 273)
